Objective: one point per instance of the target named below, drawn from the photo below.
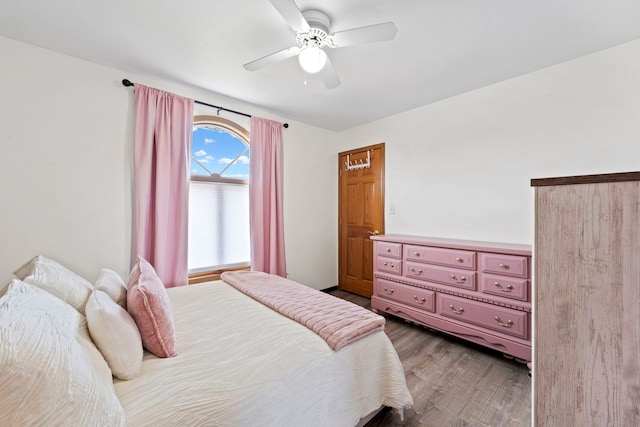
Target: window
(218, 197)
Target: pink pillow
(148, 304)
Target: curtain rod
(127, 83)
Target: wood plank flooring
(453, 382)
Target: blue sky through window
(215, 149)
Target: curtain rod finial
(127, 82)
(286, 125)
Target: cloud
(200, 153)
(242, 160)
(209, 141)
(206, 159)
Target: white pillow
(116, 335)
(50, 371)
(112, 284)
(56, 279)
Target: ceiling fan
(312, 29)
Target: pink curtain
(265, 197)
(163, 129)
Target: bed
(238, 363)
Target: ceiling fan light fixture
(313, 33)
(312, 59)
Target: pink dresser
(478, 291)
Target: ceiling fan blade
(372, 33)
(271, 59)
(290, 12)
(329, 75)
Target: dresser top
(474, 245)
(587, 179)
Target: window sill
(208, 276)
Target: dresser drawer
(447, 276)
(507, 287)
(389, 265)
(501, 319)
(509, 265)
(450, 257)
(408, 295)
(388, 249)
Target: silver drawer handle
(504, 266)
(458, 311)
(386, 263)
(509, 323)
(418, 300)
(459, 259)
(509, 287)
(413, 270)
(387, 291)
(455, 279)
(416, 254)
(388, 249)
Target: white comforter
(240, 363)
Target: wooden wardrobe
(586, 365)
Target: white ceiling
(443, 47)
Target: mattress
(239, 363)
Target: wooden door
(360, 215)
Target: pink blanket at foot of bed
(337, 321)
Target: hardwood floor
(453, 382)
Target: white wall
(65, 163)
(66, 138)
(457, 168)
(462, 167)
(311, 207)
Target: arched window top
(222, 123)
(220, 150)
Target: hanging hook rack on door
(361, 165)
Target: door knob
(374, 232)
